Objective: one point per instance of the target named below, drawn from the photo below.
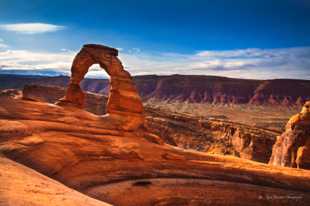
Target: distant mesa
(190, 88)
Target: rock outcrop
(11, 93)
(292, 147)
(124, 103)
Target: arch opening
(95, 71)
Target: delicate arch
(124, 103)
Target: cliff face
(207, 135)
(206, 89)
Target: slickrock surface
(22, 186)
(89, 154)
(124, 103)
(292, 148)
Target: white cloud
(247, 63)
(31, 28)
(3, 45)
(241, 63)
(23, 60)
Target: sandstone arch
(124, 103)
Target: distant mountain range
(190, 88)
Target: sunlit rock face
(124, 103)
(292, 148)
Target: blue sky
(238, 38)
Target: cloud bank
(31, 28)
(243, 63)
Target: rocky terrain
(211, 135)
(185, 131)
(260, 116)
(191, 88)
(117, 159)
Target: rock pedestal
(124, 103)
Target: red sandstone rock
(292, 147)
(124, 103)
